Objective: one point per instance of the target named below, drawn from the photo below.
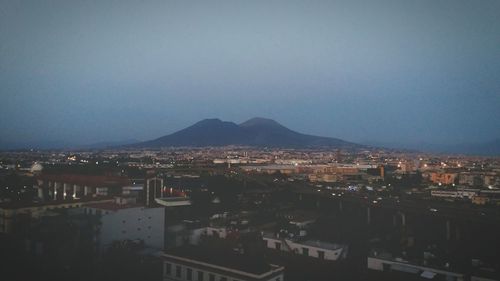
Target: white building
(459, 193)
(123, 219)
(311, 248)
(385, 262)
(192, 264)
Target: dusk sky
(389, 71)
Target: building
(443, 178)
(271, 169)
(195, 263)
(386, 262)
(470, 179)
(310, 248)
(11, 212)
(124, 219)
(53, 187)
(480, 200)
(458, 193)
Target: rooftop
(321, 244)
(88, 180)
(112, 206)
(222, 257)
(23, 204)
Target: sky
(385, 71)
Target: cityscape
(130, 147)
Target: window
(305, 251)
(211, 277)
(200, 275)
(321, 255)
(178, 271)
(168, 268)
(277, 245)
(223, 279)
(189, 274)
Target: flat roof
(173, 201)
(112, 206)
(227, 258)
(21, 204)
(321, 244)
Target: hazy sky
(398, 71)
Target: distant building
(470, 179)
(443, 178)
(271, 169)
(458, 193)
(36, 168)
(53, 187)
(310, 248)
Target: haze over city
(364, 71)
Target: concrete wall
(217, 275)
(298, 249)
(146, 224)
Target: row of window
(138, 229)
(139, 219)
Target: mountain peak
(257, 131)
(259, 121)
(209, 121)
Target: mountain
(260, 132)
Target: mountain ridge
(258, 131)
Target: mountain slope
(208, 132)
(268, 132)
(254, 132)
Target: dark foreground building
(197, 264)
